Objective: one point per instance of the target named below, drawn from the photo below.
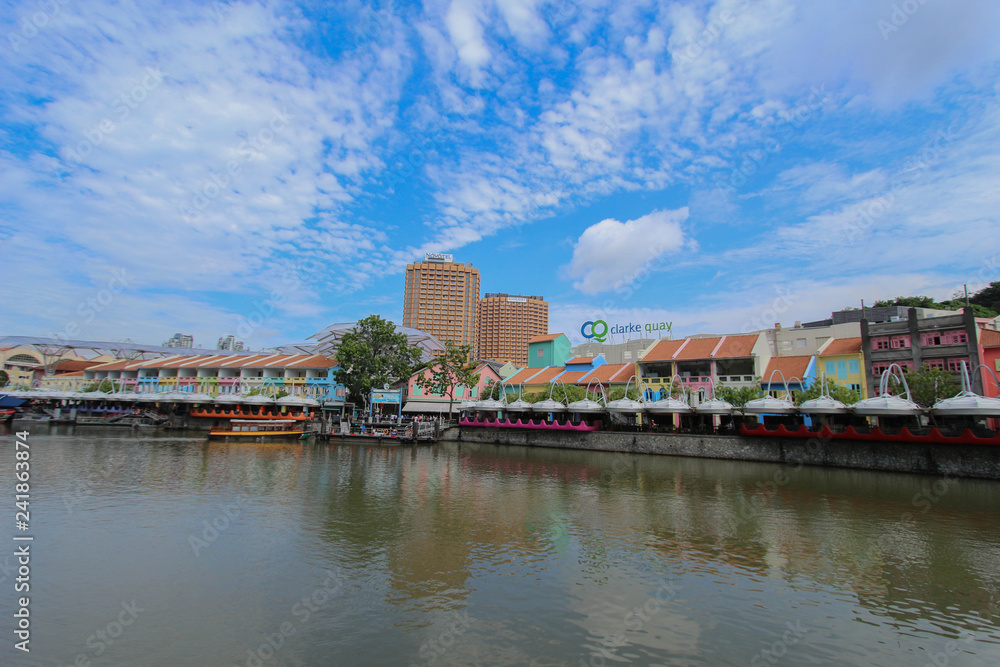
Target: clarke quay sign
(599, 330)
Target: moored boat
(258, 429)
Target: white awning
(440, 407)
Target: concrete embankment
(931, 459)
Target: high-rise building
(505, 323)
(180, 340)
(229, 342)
(441, 298)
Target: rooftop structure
(505, 323)
(441, 298)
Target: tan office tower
(441, 298)
(506, 322)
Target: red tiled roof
(572, 377)
(67, 366)
(612, 373)
(522, 375)
(580, 360)
(788, 366)
(663, 351)
(544, 337)
(737, 346)
(698, 348)
(838, 346)
(547, 374)
(989, 337)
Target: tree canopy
(738, 396)
(454, 368)
(836, 391)
(373, 355)
(984, 302)
(927, 385)
(3, 378)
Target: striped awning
(429, 406)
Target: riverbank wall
(979, 461)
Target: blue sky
(267, 169)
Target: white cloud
(612, 254)
(466, 33)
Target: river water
(153, 550)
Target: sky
(266, 169)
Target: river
(172, 550)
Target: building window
(831, 368)
(853, 366)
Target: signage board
(598, 330)
(517, 299)
(382, 396)
(438, 257)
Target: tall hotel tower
(441, 298)
(506, 322)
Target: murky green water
(176, 551)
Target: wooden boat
(258, 429)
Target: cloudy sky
(267, 169)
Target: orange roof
(580, 360)
(737, 346)
(611, 373)
(544, 337)
(698, 348)
(522, 375)
(313, 361)
(74, 374)
(547, 374)
(66, 366)
(112, 365)
(989, 337)
(663, 351)
(572, 377)
(788, 366)
(842, 346)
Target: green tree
(619, 392)
(105, 386)
(738, 396)
(927, 385)
(4, 378)
(452, 369)
(835, 391)
(372, 355)
(988, 297)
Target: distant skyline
(265, 169)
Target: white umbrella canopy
(715, 406)
(298, 401)
(548, 405)
(967, 402)
(668, 405)
(886, 405)
(626, 404)
(586, 405)
(770, 405)
(824, 405)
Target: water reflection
(465, 554)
